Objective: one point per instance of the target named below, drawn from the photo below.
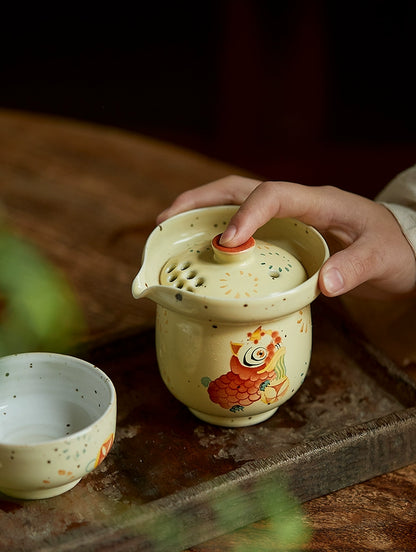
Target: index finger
(230, 190)
(323, 207)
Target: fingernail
(228, 234)
(333, 280)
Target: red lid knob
(250, 243)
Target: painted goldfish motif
(257, 372)
(104, 450)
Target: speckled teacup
(57, 422)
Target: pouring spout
(145, 286)
(140, 288)
(167, 297)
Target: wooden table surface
(87, 197)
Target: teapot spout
(161, 295)
(145, 286)
(140, 288)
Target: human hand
(369, 253)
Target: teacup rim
(76, 434)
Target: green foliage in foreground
(285, 528)
(38, 311)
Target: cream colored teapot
(233, 325)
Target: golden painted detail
(246, 280)
(303, 322)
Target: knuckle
(266, 189)
(366, 267)
(187, 197)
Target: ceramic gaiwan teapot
(233, 325)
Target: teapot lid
(253, 269)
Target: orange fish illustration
(257, 372)
(104, 450)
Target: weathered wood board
(161, 484)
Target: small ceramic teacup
(57, 422)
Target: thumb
(348, 269)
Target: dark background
(320, 92)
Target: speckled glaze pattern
(232, 357)
(258, 270)
(57, 423)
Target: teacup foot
(39, 493)
(237, 421)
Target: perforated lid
(254, 269)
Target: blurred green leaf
(38, 311)
(286, 528)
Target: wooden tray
(160, 486)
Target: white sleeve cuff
(406, 217)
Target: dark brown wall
(319, 92)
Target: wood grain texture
(168, 474)
(88, 196)
(376, 515)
